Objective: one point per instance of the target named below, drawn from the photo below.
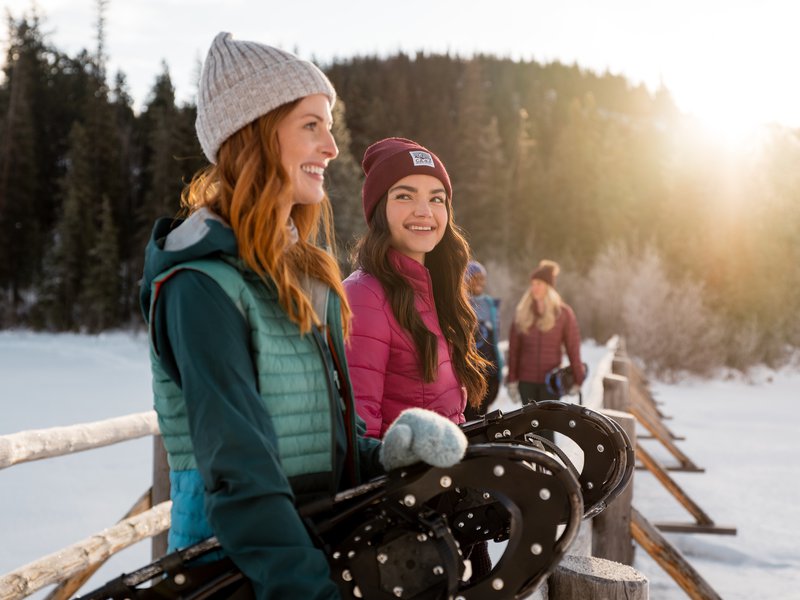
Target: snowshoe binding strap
(404, 535)
(608, 456)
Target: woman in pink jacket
(543, 326)
(411, 341)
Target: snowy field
(744, 432)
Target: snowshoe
(561, 380)
(405, 534)
(608, 456)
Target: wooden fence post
(611, 535)
(591, 577)
(160, 492)
(616, 394)
(621, 365)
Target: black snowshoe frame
(405, 534)
(608, 455)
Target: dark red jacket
(533, 353)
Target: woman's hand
(420, 435)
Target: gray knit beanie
(242, 81)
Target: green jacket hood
(173, 241)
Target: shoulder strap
(225, 274)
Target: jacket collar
(417, 275)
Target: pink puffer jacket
(384, 367)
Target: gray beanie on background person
(242, 81)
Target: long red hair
(247, 188)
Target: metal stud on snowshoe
(382, 545)
(608, 456)
(489, 498)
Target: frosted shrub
(598, 305)
(743, 345)
(666, 324)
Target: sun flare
(729, 126)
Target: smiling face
(307, 146)
(538, 289)
(416, 210)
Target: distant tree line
(685, 247)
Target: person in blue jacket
(247, 318)
(487, 336)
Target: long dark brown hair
(447, 264)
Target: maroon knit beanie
(546, 271)
(388, 161)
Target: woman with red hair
(246, 316)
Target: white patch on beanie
(422, 159)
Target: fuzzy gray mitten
(420, 435)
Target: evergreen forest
(687, 247)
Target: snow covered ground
(54, 380)
(744, 432)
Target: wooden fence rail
(639, 401)
(67, 588)
(671, 486)
(80, 556)
(37, 444)
(594, 576)
(672, 561)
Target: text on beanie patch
(421, 159)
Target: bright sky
(732, 63)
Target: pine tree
(44, 93)
(124, 204)
(169, 156)
(162, 181)
(100, 289)
(479, 171)
(67, 259)
(496, 208)
(568, 213)
(522, 228)
(19, 167)
(344, 187)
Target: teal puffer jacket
(225, 362)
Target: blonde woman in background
(543, 327)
